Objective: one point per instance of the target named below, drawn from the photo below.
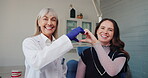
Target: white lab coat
(43, 58)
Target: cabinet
(72, 23)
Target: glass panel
(86, 25)
(71, 25)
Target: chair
(81, 49)
(72, 64)
(72, 68)
(123, 75)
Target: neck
(105, 44)
(49, 37)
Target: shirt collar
(46, 40)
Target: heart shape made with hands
(88, 37)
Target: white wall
(17, 21)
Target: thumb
(85, 40)
(82, 30)
(76, 39)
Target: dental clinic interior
(17, 20)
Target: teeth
(104, 36)
(49, 27)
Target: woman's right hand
(90, 38)
(73, 33)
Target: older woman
(43, 51)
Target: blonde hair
(42, 13)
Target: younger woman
(107, 58)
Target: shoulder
(85, 55)
(117, 54)
(86, 52)
(31, 39)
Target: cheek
(40, 23)
(111, 34)
(55, 23)
(98, 32)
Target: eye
(45, 18)
(53, 19)
(110, 29)
(102, 27)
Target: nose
(105, 31)
(49, 22)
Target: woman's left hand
(90, 38)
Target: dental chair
(72, 68)
(72, 64)
(81, 49)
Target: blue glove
(73, 33)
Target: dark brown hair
(116, 43)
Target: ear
(39, 23)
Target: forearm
(38, 58)
(111, 67)
(81, 69)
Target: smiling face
(105, 32)
(48, 24)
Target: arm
(111, 67)
(81, 69)
(38, 58)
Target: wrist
(68, 36)
(95, 42)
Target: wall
(18, 22)
(132, 17)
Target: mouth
(104, 36)
(49, 27)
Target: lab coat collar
(46, 40)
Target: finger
(86, 30)
(84, 40)
(88, 33)
(85, 33)
(75, 39)
(82, 31)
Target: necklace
(96, 65)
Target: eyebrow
(52, 17)
(104, 26)
(45, 16)
(111, 28)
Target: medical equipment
(96, 4)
